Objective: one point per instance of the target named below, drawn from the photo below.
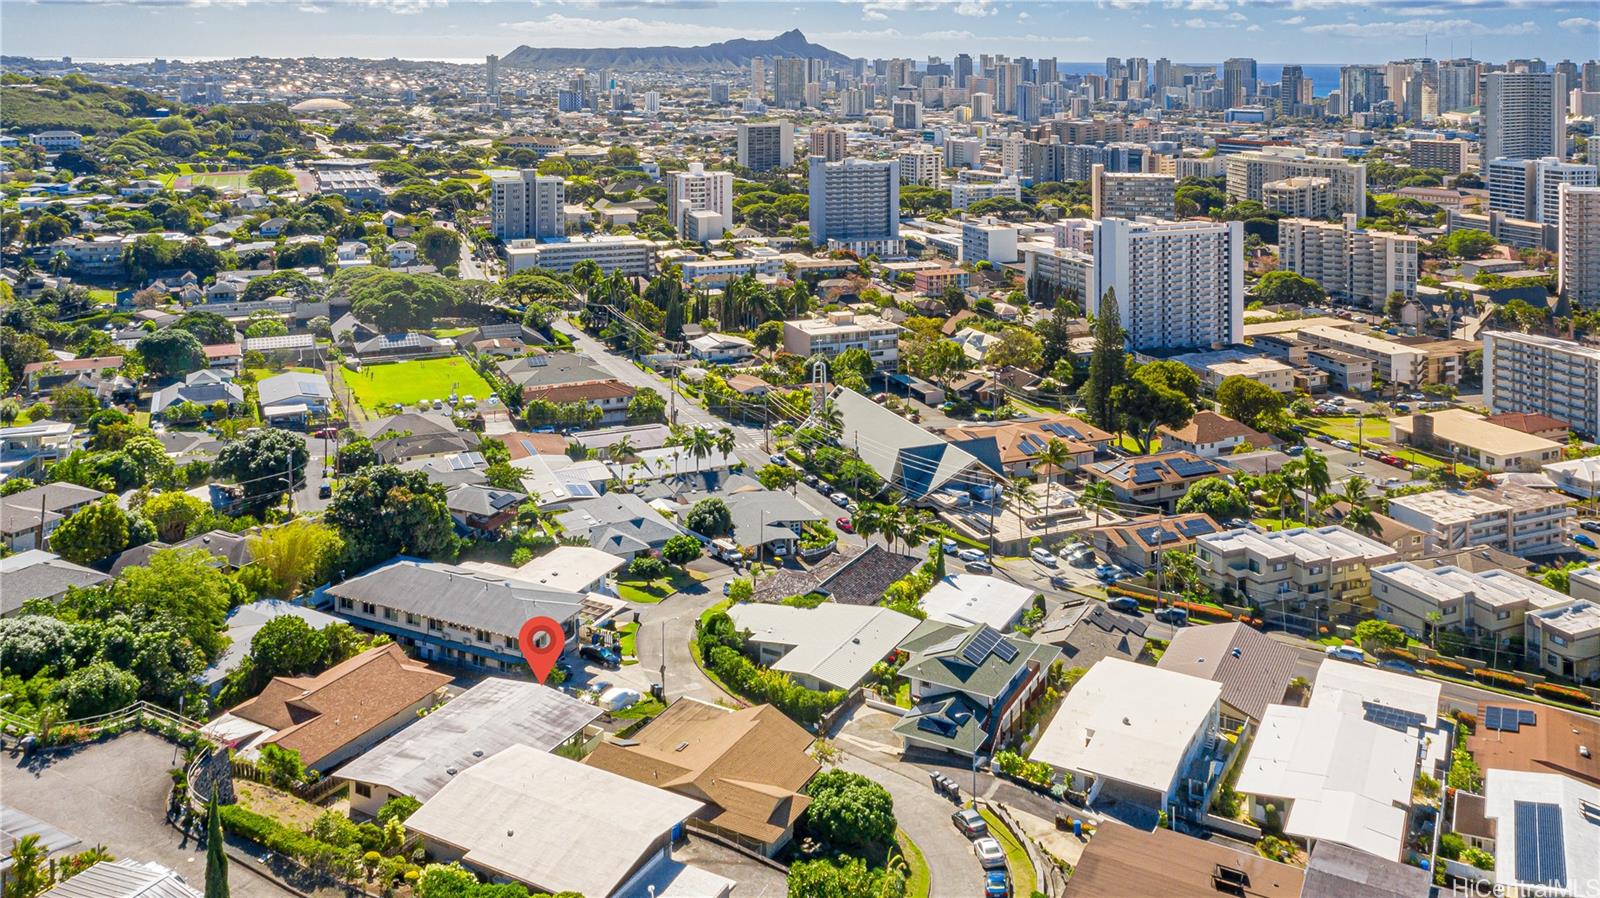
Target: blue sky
(1303, 31)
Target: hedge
(1564, 694)
(1397, 654)
(1445, 664)
(273, 835)
(1500, 678)
(773, 687)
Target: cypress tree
(216, 860)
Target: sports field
(220, 180)
(406, 383)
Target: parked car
(778, 458)
(325, 491)
(1591, 526)
(1343, 444)
(845, 525)
(1583, 540)
(600, 655)
(1175, 616)
(1397, 666)
(1125, 604)
(1346, 653)
(948, 545)
(997, 884)
(979, 567)
(971, 555)
(970, 822)
(989, 853)
(1043, 556)
(812, 480)
(839, 499)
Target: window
(363, 790)
(345, 604)
(369, 608)
(412, 619)
(390, 613)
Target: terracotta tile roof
(1526, 423)
(223, 350)
(89, 364)
(1121, 860)
(748, 765)
(1549, 745)
(319, 715)
(1013, 437)
(1210, 427)
(580, 391)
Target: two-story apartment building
(1154, 480)
(1565, 641)
(1484, 605)
(1018, 443)
(452, 614)
(969, 686)
(1318, 572)
(1512, 519)
(26, 449)
(842, 330)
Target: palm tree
(1278, 490)
(1097, 494)
(622, 449)
(726, 441)
(701, 444)
(1361, 519)
(59, 263)
(29, 874)
(1019, 492)
(868, 520)
(1314, 477)
(830, 418)
(893, 524)
(1051, 461)
(1355, 492)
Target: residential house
(1210, 435)
(125, 878)
(1136, 739)
(966, 599)
(969, 687)
(335, 715)
(1138, 544)
(243, 623)
(1476, 440)
(1518, 520)
(412, 435)
(1311, 572)
(1253, 669)
(1565, 641)
(831, 646)
(42, 377)
(25, 515)
(491, 716)
(1153, 481)
(619, 523)
(828, 336)
(37, 574)
(1016, 444)
(451, 471)
(769, 520)
(862, 578)
(555, 825)
(1124, 860)
(1538, 425)
(720, 349)
(1546, 833)
(483, 510)
(408, 345)
(230, 551)
(448, 613)
(578, 569)
(1536, 738)
(748, 766)
(205, 387)
(562, 377)
(27, 449)
(1337, 871)
(226, 356)
(294, 398)
(1088, 632)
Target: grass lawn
(443, 332)
(902, 694)
(644, 707)
(918, 880)
(655, 590)
(1345, 427)
(1126, 441)
(287, 809)
(221, 180)
(1278, 523)
(103, 297)
(406, 383)
(627, 636)
(1022, 880)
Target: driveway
(952, 867)
(755, 879)
(115, 794)
(665, 629)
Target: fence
(314, 792)
(140, 713)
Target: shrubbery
(769, 686)
(1563, 694)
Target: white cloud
(1422, 28)
(1292, 20)
(1237, 17)
(1199, 5)
(313, 9)
(976, 8)
(585, 32)
(1195, 23)
(1254, 28)
(1022, 17)
(1579, 23)
(947, 35)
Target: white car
(971, 555)
(1043, 556)
(779, 459)
(989, 853)
(840, 499)
(1346, 653)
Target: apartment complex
(1350, 262)
(1523, 115)
(700, 202)
(1132, 194)
(1324, 569)
(1249, 172)
(1396, 363)
(986, 239)
(844, 330)
(526, 205)
(1178, 285)
(827, 141)
(924, 166)
(855, 205)
(1544, 376)
(1302, 197)
(1512, 519)
(965, 193)
(1450, 155)
(1476, 440)
(1529, 189)
(1489, 604)
(766, 145)
(612, 252)
(1578, 244)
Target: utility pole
(766, 422)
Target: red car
(845, 525)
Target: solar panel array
(1147, 472)
(1393, 718)
(1062, 430)
(1541, 844)
(1195, 527)
(1191, 467)
(1508, 720)
(985, 642)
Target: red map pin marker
(541, 658)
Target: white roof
(1349, 779)
(837, 644)
(568, 567)
(124, 879)
(965, 599)
(1580, 834)
(1346, 687)
(1129, 722)
(551, 823)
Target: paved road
(667, 627)
(953, 868)
(115, 794)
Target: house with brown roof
(1136, 544)
(1210, 435)
(1543, 739)
(1533, 425)
(1157, 480)
(1254, 670)
(337, 714)
(1123, 861)
(1017, 443)
(224, 355)
(611, 396)
(747, 766)
(522, 445)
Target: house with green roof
(969, 686)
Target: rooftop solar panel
(1393, 718)
(1526, 717)
(1540, 844)
(1491, 717)
(1195, 527)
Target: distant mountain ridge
(726, 54)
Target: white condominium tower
(1178, 284)
(1539, 375)
(709, 193)
(1523, 115)
(525, 204)
(1349, 262)
(766, 145)
(1250, 171)
(1578, 245)
(855, 203)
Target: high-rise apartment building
(1178, 285)
(1027, 105)
(709, 193)
(1578, 244)
(1248, 171)
(1007, 76)
(1450, 155)
(963, 70)
(922, 165)
(982, 105)
(1526, 188)
(1131, 194)
(855, 205)
(1238, 80)
(827, 142)
(491, 64)
(1458, 84)
(1523, 115)
(907, 115)
(1351, 263)
(1539, 375)
(766, 145)
(789, 82)
(963, 152)
(1360, 87)
(853, 103)
(525, 204)
(758, 77)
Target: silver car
(989, 853)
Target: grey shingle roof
(619, 518)
(460, 596)
(38, 574)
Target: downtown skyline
(1200, 31)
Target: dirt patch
(280, 806)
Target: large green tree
(266, 463)
(850, 811)
(383, 511)
(1248, 401)
(1159, 394)
(1107, 364)
(1280, 286)
(171, 353)
(92, 533)
(216, 858)
(1216, 497)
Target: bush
(1499, 678)
(769, 686)
(1446, 665)
(1563, 694)
(275, 836)
(1477, 857)
(1397, 654)
(645, 567)
(1015, 765)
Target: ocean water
(1324, 76)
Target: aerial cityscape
(834, 449)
